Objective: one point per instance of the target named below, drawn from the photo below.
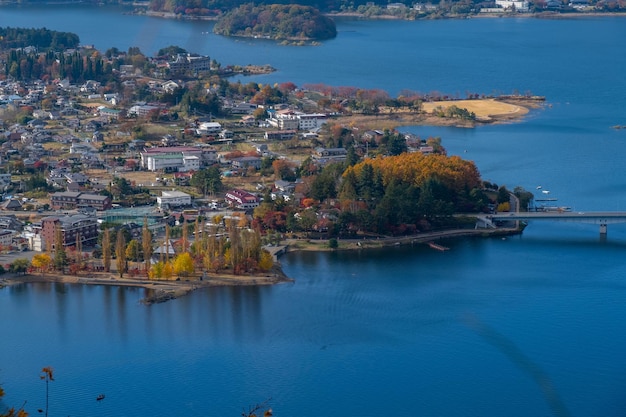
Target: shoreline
(489, 111)
(161, 291)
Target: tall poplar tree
(60, 257)
(106, 250)
(120, 254)
(146, 243)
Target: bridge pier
(603, 229)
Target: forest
(389, 195)
(281, 22)
(42, 38)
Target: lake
(527, 326)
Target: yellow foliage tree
(416, 168)
(168, 271)
(156, 271)
(183, 265)
(41, 262)
(504, 206)
(266, 261)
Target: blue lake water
(528, 326)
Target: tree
(183, 265)
(266, 261)
(146, 243)
(19, 266)
(12, 412)
(41, 262)
(120, 254)
(132, 251)
(503, 195)
(284, 170)
(207, 180)
(106, 250)
(60, 257)
(46, 375)
(156, 271)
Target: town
(161, 147)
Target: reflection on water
(515, 355)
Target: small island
(292, 23)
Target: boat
(438, 247)
(100, 397)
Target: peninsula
(159, 172)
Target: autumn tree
(106, 250)
(132, 250)
(47, 375)
(120, 254)
(266, 261)
(156, 271)
(41, 262)
(60, 256)
(183, 265)
(12, 412)
(284, 170)
(146, 244)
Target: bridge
(602, 218)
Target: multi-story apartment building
(85, 227)
(69, 200)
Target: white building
(190, 163)
(142, 110)
(173, 199)
(300, 121)
(242, 199)
(311, 121)
(166, 161)
(209, 128)
(178, 158)
(520, 6)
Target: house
(246, 162)
(165, 249)
(284, 186)
(243, 108)
(170, 86)
(169, 199)
(209, 128)
(325, 155)
(242, 199)
(280, 135)
(142, 110)
(12, 204)
(109, 114)
(11, 222)
(6, 237)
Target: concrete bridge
(602, 218)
